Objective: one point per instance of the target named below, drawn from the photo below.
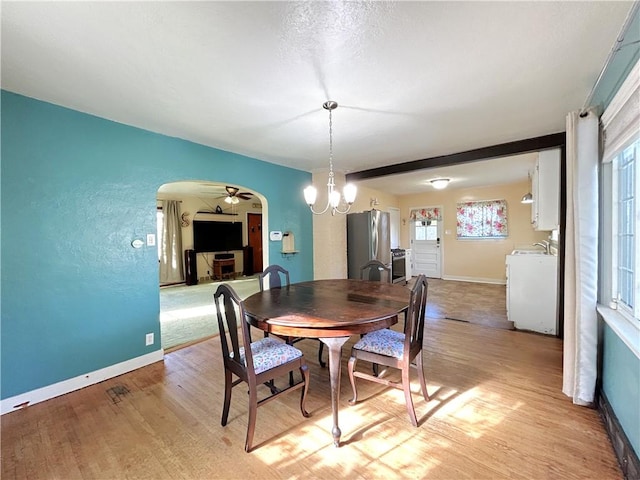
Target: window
(625, 242)
(426, 230)
(425, 223)
(620, 262)
(486, 219)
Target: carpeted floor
(187, 313)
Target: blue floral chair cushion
(385, 342)
(269, 353)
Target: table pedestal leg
(335, 352)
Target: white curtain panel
(171, 269)
(581, 258)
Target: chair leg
(304, 370)
(227, 397)
(291, 378)
(376, 369)
(406, 387)
(251, 425)
(320, 349)
(423, 382)
(351, 367)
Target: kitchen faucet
(544, 244)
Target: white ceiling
(414, 80)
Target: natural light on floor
(382, 421)
(183, 314)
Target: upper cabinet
(545, 188)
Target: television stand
(224, 268)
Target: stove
(398, 268)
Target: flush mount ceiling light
(440, 183)
(333, 196)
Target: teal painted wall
(621, 384)
(76, 190)
(619, 66)
(620, 367)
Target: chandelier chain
(330, 143)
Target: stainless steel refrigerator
(368, 238)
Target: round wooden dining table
(332, 311)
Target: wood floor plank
(496, 412)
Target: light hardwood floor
(496, 411)
(482, 303)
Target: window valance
(425, 214)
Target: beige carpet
(187, 313)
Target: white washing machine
(532, 291)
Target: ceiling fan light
(440, 183)
(228, 200)
(527, 198)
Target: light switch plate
(151, 239)
(275, 236)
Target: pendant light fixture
(333, 196)
(527, 197)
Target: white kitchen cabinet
(532, 292)
(545, 188)
(407, 267)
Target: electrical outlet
(151, 239)
(149, 339)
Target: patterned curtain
(486, 219)
(424, 214)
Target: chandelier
(333, 196)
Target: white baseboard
(496, 281)
(23, 400)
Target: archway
(213, 235)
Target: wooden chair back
(231, 319)
(415, 318)
(375, 271)
(276, 276)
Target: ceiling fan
(234, 193)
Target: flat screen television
(216, 236)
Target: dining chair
(254, 363)
(375, 271)
(396, 349)
(278, 277)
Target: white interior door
(425, 248)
